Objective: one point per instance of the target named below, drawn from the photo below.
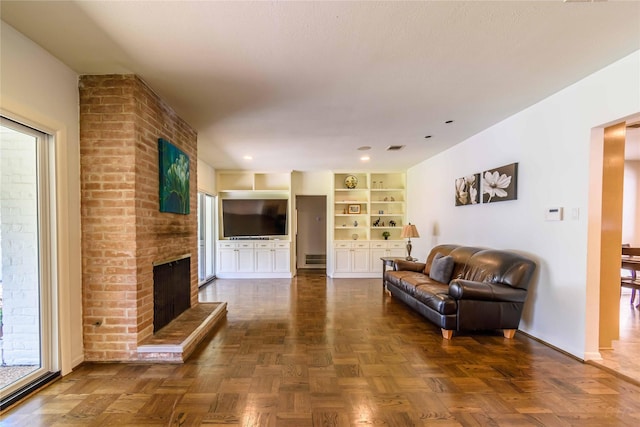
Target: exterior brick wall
(123, 231)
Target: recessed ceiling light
(427, 137)
(449, 121)
(365, 158)
(364, 148)
(247, 157)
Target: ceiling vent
(395, 147)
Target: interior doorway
(311, 232)
(619, 319)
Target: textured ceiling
(302, 85)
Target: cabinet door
(342, 260)
(227, 260)
(245, 260)
(375, 265)
(281, 260)
(264, 260)
(360, 260)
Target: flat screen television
(254, 217)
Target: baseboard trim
(558, 349)
(589, 361)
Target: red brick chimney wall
(123, 231)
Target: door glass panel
(201, 232)
(206, 243)
(209, 236)
(21, 272)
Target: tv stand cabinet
(247, 257)
(242, 259)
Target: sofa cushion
(435, 297)
(441, 268)
(405, 280)
(496, 266)
(460, 255)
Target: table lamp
(409, 231)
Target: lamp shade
(409, 231)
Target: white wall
(38, 90)
(311, 183)
(551, 143)
(206, 178)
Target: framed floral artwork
(174, 178)
(500, 184)
(467, 190)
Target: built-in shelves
(375, 205)
(230, 181)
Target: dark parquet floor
(319, 352)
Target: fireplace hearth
(171, 290)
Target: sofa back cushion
(460, 255)
(495, 266)
(443, 250)
(441, 268)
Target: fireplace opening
(171, 290)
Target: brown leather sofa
(462, 288)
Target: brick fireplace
(123, 232)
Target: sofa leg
(509, 333)
(447, 333)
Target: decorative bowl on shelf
(351, 182)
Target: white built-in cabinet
(235, 257)
(358, 217)
(272, 257)
(391, 249)
(253, 258)
(351, 257)
(361, 215)
(248, 259)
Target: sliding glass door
(27, 342)
(206, 240)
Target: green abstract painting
(174, 178)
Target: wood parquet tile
(319, 352)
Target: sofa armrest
(470, 290)
(404, 265)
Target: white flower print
(494, 184)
